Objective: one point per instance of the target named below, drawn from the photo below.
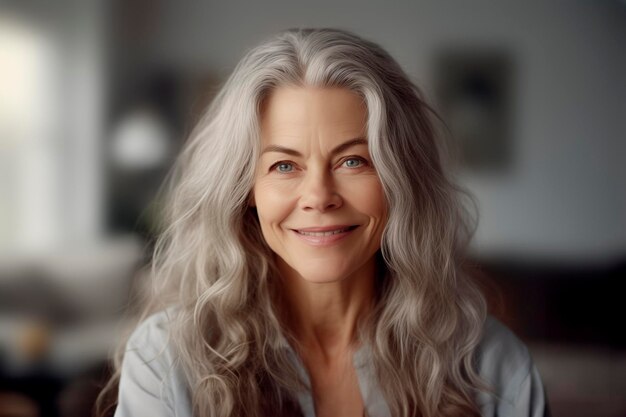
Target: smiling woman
(322, 210)
(311, 260)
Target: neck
(323, 317)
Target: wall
(52, 124)
(565, 196)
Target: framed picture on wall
(474, 94)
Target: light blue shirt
(152, 384)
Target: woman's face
(318, 197)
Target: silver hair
(212, 262)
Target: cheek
(378, 201)
(367, 197)
(272, 204)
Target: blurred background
(97, 97)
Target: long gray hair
(212, 262)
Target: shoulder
(151, 375)
(501, 355)
(506, 366)
(152, 347)
(153, 333)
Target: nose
(318, 192)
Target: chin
(323, 271)
(325, 268)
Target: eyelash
(279, 163)
(362, 161)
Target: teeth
(329, 233)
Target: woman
(311, 263)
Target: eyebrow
(337, 149)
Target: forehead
(300, 111)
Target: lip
(328, 237)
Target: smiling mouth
(321, 233)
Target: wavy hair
(212, 262)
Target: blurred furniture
(60, 318)
(571, 319)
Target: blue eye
(353, 162)
(283, 167)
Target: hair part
(212, 262)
